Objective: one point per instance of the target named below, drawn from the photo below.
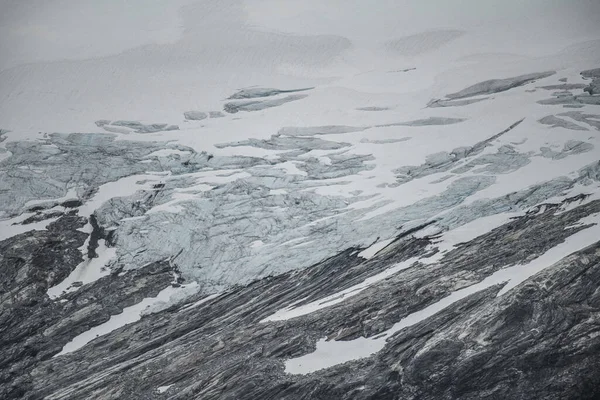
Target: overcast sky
(66, 63)
(48, 30)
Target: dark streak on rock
(94, 237)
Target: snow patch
(86, 272)
(128, 316)
(162, 389)
(369, 252)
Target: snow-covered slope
(316, 200)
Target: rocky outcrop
(464, 96)
(257, 105)
(34, 327)
(427, 122)
(195, 115)
(538, 339)
(498, 85)
(557, 122)
(133, 126)
(453, 103)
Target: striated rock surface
(538, 340)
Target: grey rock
(453, 103)
(591, 73)
(594, 87)
(278, 142)
(195, 115)
(253, 93)
(3, 133)
(578, 100)
(340, 129)
(564, 86)
(319, 130)
(427, 122)
(571, 147)
(373, 108)
(384, 141)
(102, 122)
(590, 119)
(577, 147)
(499, 85)
(234, 107)
(563, 93)
(556, 122)
(34, 327)
(123, 126)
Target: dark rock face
(536, 341)
(31, 262)
(33, 327)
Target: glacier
(316, 200)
